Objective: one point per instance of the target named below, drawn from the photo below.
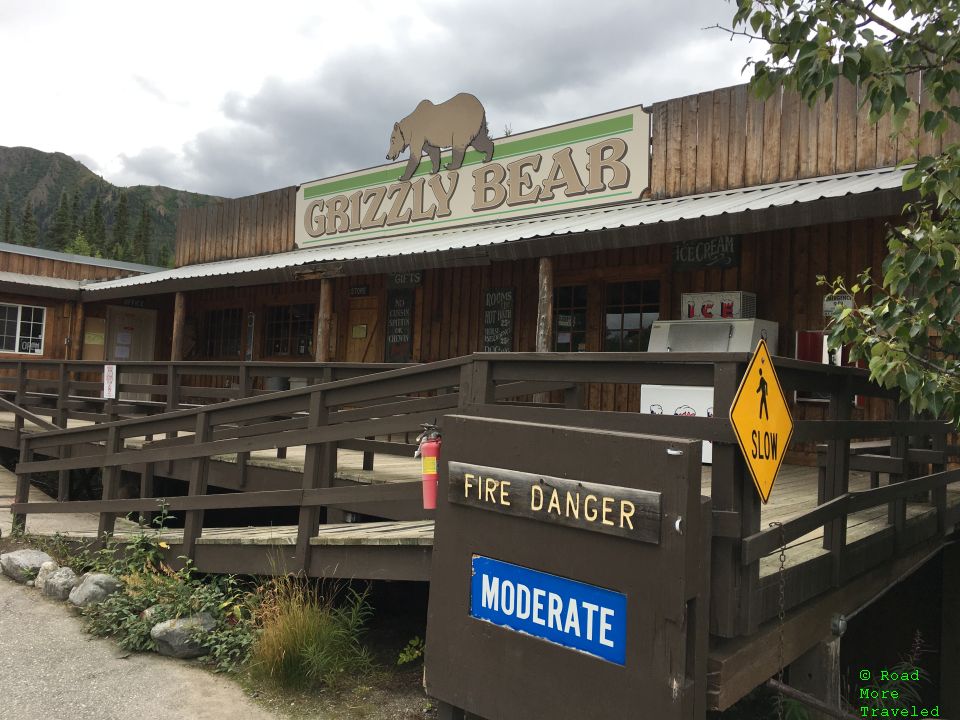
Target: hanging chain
(781, 612)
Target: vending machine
(720, 334)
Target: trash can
(276, 384)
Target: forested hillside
(52, 201)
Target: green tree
(95, 228)
(28, 226)
(8, 226)
(141, 238)
(121, 230)
(78, 245)
(76, 214)
(904, 321)
(60, 229)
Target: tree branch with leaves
(905, 318)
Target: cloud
(532, 64)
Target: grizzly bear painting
(457, 123)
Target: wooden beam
(176, 343)
(739, 665)
(545, 306)
(324, 321)
(76, 334)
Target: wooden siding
(246, 227)
(52, 268)
(728, 138)
(781, 267)
(58, 319)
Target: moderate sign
(565, 612)
(595, 161)
(761, 420)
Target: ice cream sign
(455, 174)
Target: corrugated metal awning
(38, 286)
(274, 268)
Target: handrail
(353, 412)
(26, 414)
(763, 543)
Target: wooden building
(802, 191)
(43, 313)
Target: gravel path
(50, 668)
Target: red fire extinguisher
(429, 452)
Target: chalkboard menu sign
(498, 320)
(399, 335)
(717, 252)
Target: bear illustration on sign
(457, 123)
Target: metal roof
(634, 214)
(81, 259)
(39, 286)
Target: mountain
(41, 179)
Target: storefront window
(289, 330)
(222, 332)
(631, 309)
(570, 318)
(21, 329)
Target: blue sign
(565, 612)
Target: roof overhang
(37, 286)
(800, 203)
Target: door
(362, 331)
(131, 334)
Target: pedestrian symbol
(762, 389)
(761, 420)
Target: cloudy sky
(233, 98)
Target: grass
(306, 638)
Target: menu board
(498, 320)
(399, 335)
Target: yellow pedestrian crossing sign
(761, 420)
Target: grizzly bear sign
(457, 123)
(584, 163)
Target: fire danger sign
(761, 420)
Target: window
(631, 309)
(21, 329)
(222, 332)
(570, 318)
(289, 330)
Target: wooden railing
(346, 412)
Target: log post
(950, 632)
(76, 339)
(179, 312)
(321, 352)
(110, 483)
(817, 673)
(545, 306)
(22, 493)
(193, 522)
(544, 315)
(317, 473)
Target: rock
(23, 565)
(60, 583)
(94, 588)
(46, 570)
(177, 638)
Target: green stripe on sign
(504, 149)
(413, 230)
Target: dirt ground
(53, 668)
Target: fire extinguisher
(429, 452)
